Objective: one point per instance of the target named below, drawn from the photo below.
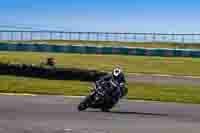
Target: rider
(120, 89)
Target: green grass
(14, 84)
(138, 91)
(130, 64)
(114, 43)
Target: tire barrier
(50, 73)
(165, 52)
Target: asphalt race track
(56, 114)
(164, 79)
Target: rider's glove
(122, 85)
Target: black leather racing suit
(119, 91)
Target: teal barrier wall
(100, 50)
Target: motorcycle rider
(119, 84)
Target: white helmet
(116, 72)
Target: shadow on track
(131, 113)
(138, 113)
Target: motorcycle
(98, 98)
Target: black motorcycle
(100, 96)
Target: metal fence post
(183, 39)
(145, 37)
(115, 37)
(88, 36)
(154, 37)
(106, 36)
(1, 35)
(31, 36)
(173, 37)
(125, 36)
(135, 37)
(192, 38)
(61, 36)
(21, 36)
(79, 36)
(40, 35)
(70, 36)
(12, 36)
(51, 35)
(97, 36)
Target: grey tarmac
(164, 79)
(58, 114)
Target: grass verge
(114, 43)
(130, 64)
(138, 91)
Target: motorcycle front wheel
(84, 104)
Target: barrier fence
(98, 36)
(100, 50)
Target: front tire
(84, 104)
(82, 107)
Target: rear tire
(105, 110)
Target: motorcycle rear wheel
(105, 110)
